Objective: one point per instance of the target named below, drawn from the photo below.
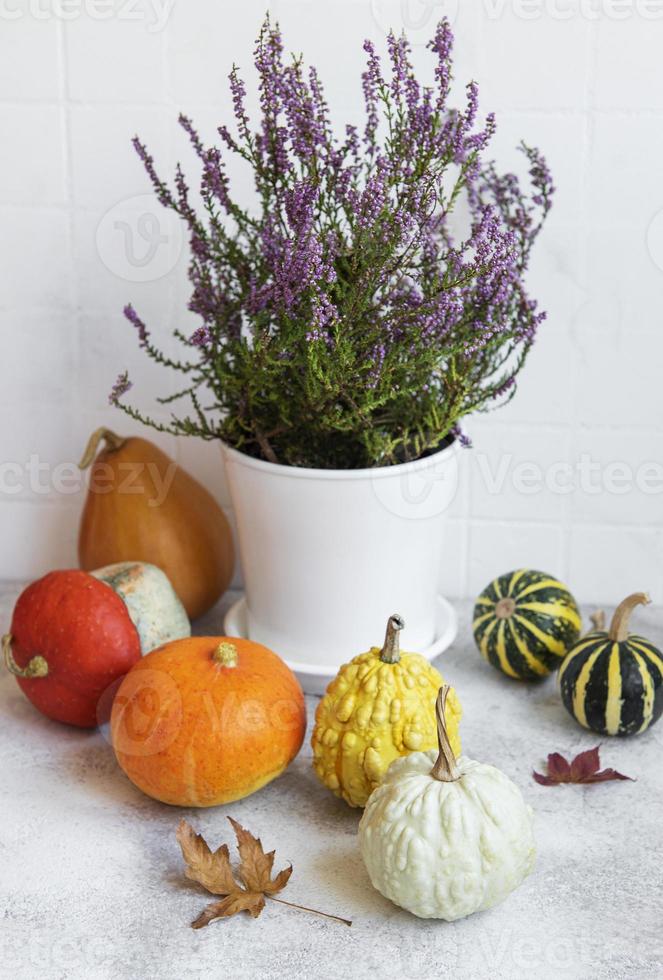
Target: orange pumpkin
(207, 720)
(141, 506)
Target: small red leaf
(604, 776)
(558, 767)
(585, 764)
(583, 769)
(545, 780)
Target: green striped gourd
(524, 623)
(612, 682)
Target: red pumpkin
(71, 639)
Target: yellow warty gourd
(379, 707)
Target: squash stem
(618, 631)
(445, 768)
(112, 442)
(390, 652)
(597, 620)
(35, 667)
(225, 654)
(505, 608)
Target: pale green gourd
(151, 601)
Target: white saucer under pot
(314, 678)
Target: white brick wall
(581, 78)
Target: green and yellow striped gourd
(524, 623)
(612, 682)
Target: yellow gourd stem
(112, 442)
(445, 768)
(390, 652)
(618, 631)
(225, 655)
(35, 667)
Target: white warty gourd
(444, 837)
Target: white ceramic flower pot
(328, 555)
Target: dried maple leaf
(255, 869)
(585, 768)
(212, 869)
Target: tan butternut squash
(142, 506)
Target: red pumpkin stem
(390, 652)
(35, 667)
(445, 768)
(618, 631)
(112, 442)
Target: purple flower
(372, 84)
(215, 180)
(132, 317)
(202, 336)
(463, 439)
(190, 130)
(343, 308)
(120, 388)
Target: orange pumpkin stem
(225, 654)
(618, 631)
(445, 768)
(36, 667)
(112, 442)
(390, 652)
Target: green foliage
(342, 324)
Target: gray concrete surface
(92, 883)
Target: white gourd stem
(35, 667)
(390, 652)
(112, 442)
(618, 631)
(445, 768)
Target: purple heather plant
(343, 323)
